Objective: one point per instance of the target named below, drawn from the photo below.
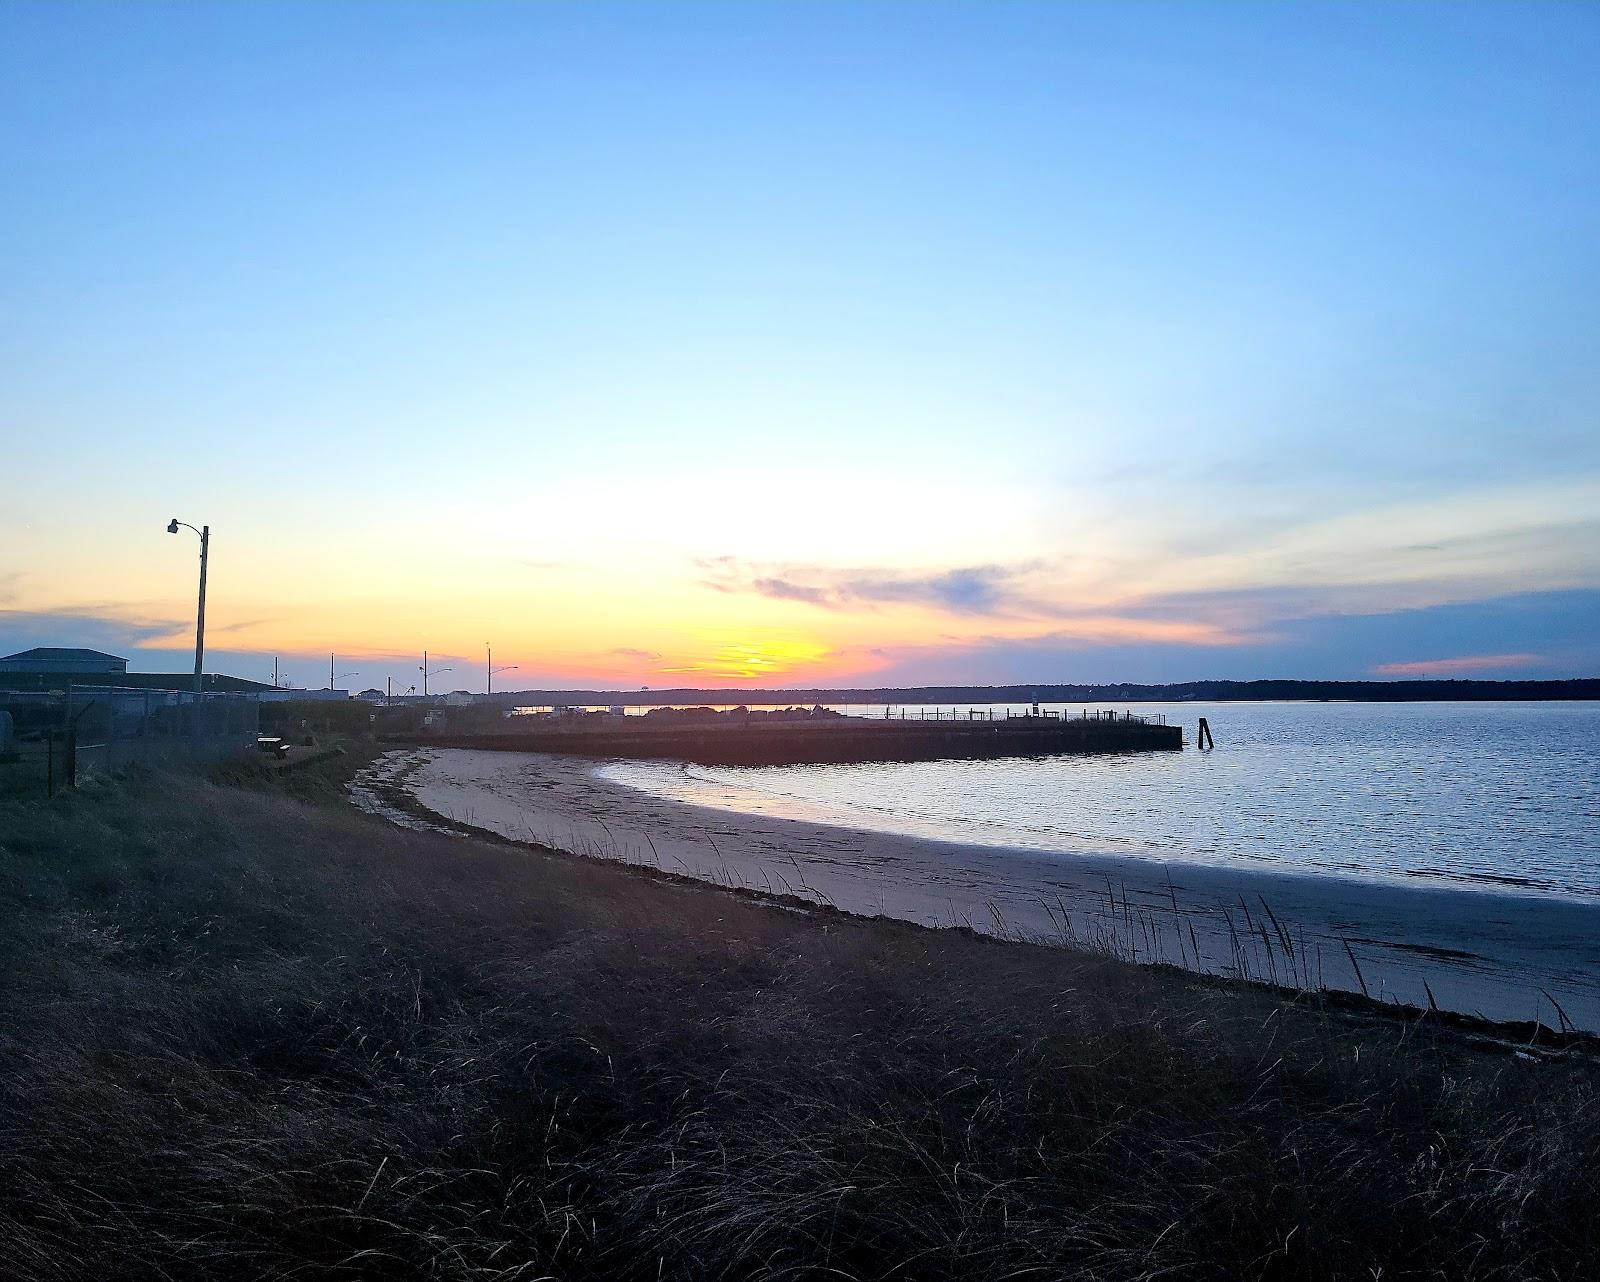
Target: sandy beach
(1501, 956)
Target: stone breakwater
(837, 740)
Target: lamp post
(428, 672)
(334, 677)
(200, 617)
(488, 664)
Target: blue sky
(1209, 339)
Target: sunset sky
(877, 344)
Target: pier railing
(1046, 714)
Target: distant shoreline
(1266, 691)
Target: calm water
(1496, 795)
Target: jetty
(800, 736)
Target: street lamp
(488, 664)
(428, 672)
(335, 677)
(200, 618)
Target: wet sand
(1501, 956)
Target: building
(282, 694)
(59, 662)
(55, 668)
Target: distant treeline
(1198, 691)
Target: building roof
(182, 681)
(56, 654)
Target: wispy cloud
(95, 625)
(1461, 663)
(1231, 584)
(1028, 601)
(630, 652)
(241, 625)
(966, 590)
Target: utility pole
(332, 680)
(200, 618)
(490, 669)
(200, 615)
(426, 674)
(274, 672)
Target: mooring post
(1202, 738)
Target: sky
(801, 344)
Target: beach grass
(247, 1032)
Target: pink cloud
(1464, 663)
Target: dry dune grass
(246, 1034)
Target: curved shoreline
(1475, 952)
(759, 798)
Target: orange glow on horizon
(776, 643)
(752, 662)
(1462, 663)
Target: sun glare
(750, 661)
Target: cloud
(242, 625)
(629, 652)
(786, 590)
(1546, 634)
(96, 627)
(1246, 586)
(1471, 545)
(1463, 663)
(986, 590)
(119, 624)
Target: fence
(63, 735)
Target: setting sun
(772, 660)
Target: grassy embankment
(247, 1032)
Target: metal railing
(921, 713)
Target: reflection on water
(1502, 795)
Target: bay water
(1498, 796)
